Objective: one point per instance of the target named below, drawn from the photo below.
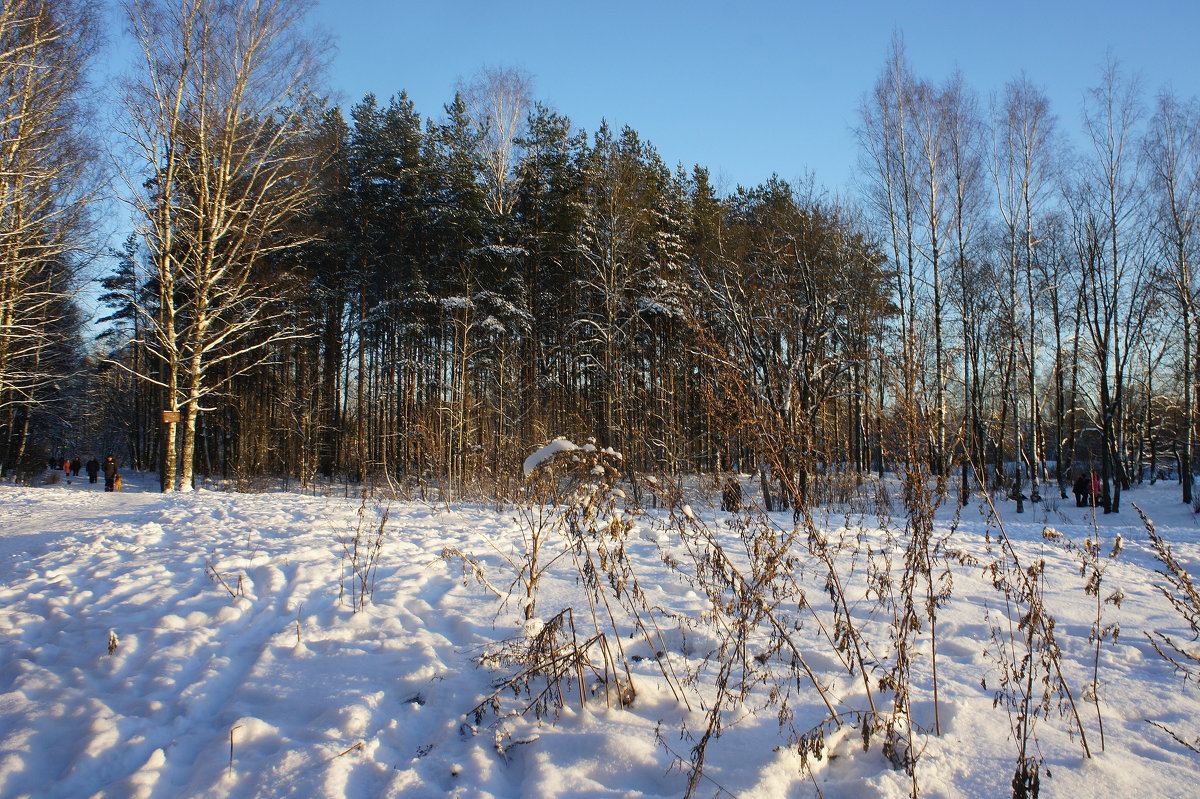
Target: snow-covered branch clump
(563, 444)
(549, 451)
(501, 250)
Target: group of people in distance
(73, 466)
(1087, 489)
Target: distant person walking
(110, 474)
(93, 469)
(76, 466)
(1083, 489)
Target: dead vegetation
(828, 623)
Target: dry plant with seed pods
(911, 592)
(361, 550)
(575, 513)
(576, 521)
(1093, 564)
(816, 621)
(1032, 684)
(552, 666)
(572, 512)
(1179, 590)
(760, 611)
(538, 508)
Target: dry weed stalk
(360, 554)
(540, 518)
(574, 512)
(216, 575)
(598, 523)
(553, 665)
(758, 609)
(1181, 592)
(913, 594)
(1029, 657)
(848, 640)
(232, 730)
(749, 569)
(1093, 565)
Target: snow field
(320, 701)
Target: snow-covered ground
(208, 645)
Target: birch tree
(889, 160)
(1023, 134)
(1115, 280)
(931, 126)
(967, 200)
(47, 181)
(219, 116)
(498, 100)
(1173, 158)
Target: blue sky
(750, 88)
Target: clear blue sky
(750, 88)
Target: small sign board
(170, 417)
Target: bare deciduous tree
(221, 116)
(498, 100)
(47, 181)
(1111, 197)
(889, 161)
(1023, 134)
(1173, 157)
(967, 195)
